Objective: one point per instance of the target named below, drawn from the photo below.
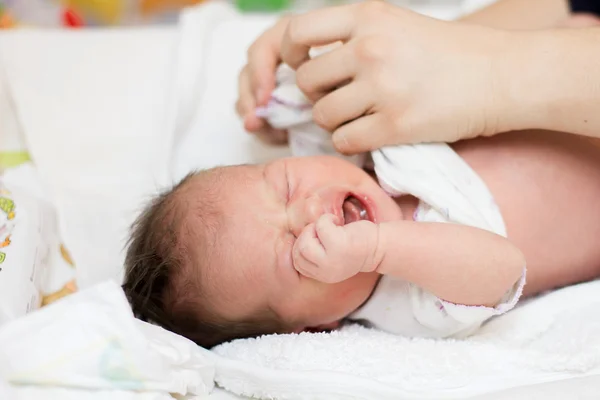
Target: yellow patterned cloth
(60, 277)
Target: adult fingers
(319, 75)
(342, 105)
(271, 135)
(245, 102)
(246, 108)
(316, 28)
(263, 59)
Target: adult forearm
(521, 14)
(551, 80)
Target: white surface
(91, 343)
(211, 134)
(551, 338)
(93, 107)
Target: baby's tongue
(352, 210)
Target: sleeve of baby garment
(457, 320)
(586, 6)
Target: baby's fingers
(306, 268)
(329, 231)
(308, 253)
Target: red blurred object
(72, 19)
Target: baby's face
(264, 208)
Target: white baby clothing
(288, 109)
(448, 190)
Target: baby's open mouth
(354, 210)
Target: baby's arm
(457, 263)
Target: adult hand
(257, 81)
(400, 77)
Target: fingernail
(248, 124)
(340, 142)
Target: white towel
(88, 345)
(551, 338)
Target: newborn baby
(297, 244)
(306, 243)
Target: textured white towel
(550, 338)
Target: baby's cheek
(285, 265)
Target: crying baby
(304, 244)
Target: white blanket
(89, 344)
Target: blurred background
(94, 13)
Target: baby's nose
(304, 213)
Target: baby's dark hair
(159, 257)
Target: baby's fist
(330, 252)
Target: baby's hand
(330, 252)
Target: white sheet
(91, 343)
(209, 132)
(93, 106)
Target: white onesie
(448, 190)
